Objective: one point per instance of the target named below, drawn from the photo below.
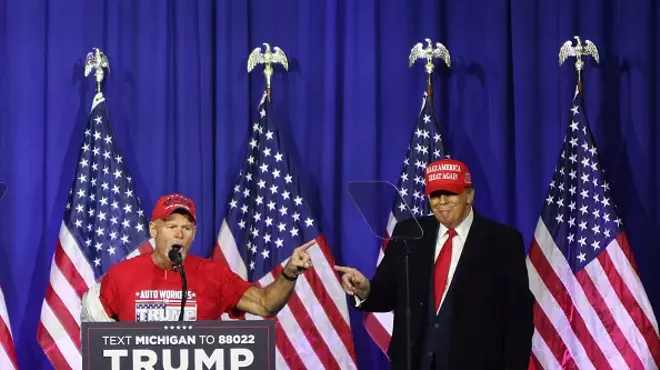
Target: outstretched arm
(268, 301)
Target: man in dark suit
(471, 307)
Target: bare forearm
(277, 294)
(268, 301)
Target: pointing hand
(353, 282)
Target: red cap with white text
(447, 175)
(170, 203)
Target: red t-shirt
(139, 290)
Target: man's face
(450, 209)
(176, 229)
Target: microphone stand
(408, 312)
(184, 288)
(175, 256)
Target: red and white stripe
(598, 318)
(379, 324)
(313, 330)
(7, 350)
(71, 276)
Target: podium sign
(175, 345)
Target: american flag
(592, 311)
(103, 223)
(267, 218)
(426, 145)
(7, 351)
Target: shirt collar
(462, 229)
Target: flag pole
(578, 51)
(96, 60)
(268, 58)
(429, 53)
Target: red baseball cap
(170, 203)
(447, 175)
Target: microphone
(175, 256)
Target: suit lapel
(474, 241)
(423, 253)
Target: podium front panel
(179, 345)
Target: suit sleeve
(383, 293)
(519, 326)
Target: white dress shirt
(458, 242)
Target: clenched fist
(353, 282)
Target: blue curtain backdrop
(182, 102)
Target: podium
(175, 345)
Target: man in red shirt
(146, 288)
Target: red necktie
(442, 268)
